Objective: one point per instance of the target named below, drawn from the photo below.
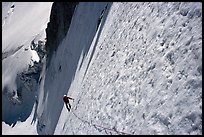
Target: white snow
(139, 73)
(134, 83)
(27, 22)
(21, 23)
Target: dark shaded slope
(60, 20)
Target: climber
(66, 101)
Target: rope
(95, 125)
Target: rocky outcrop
(60, 20)
(39, 47)
(20, 101)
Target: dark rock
(60, 20)
(12, 6)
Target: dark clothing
(66, 101)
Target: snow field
(145, 76)
(139, 73)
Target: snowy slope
(145, 76)
(22, 23)
(55, 81)
(138, 72)
(30, 20)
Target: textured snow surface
(139, 73)
(145, 76)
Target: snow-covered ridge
(22, 23)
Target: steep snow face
(58, 76)
(132, 68)
(23, 24)
(144, 75)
